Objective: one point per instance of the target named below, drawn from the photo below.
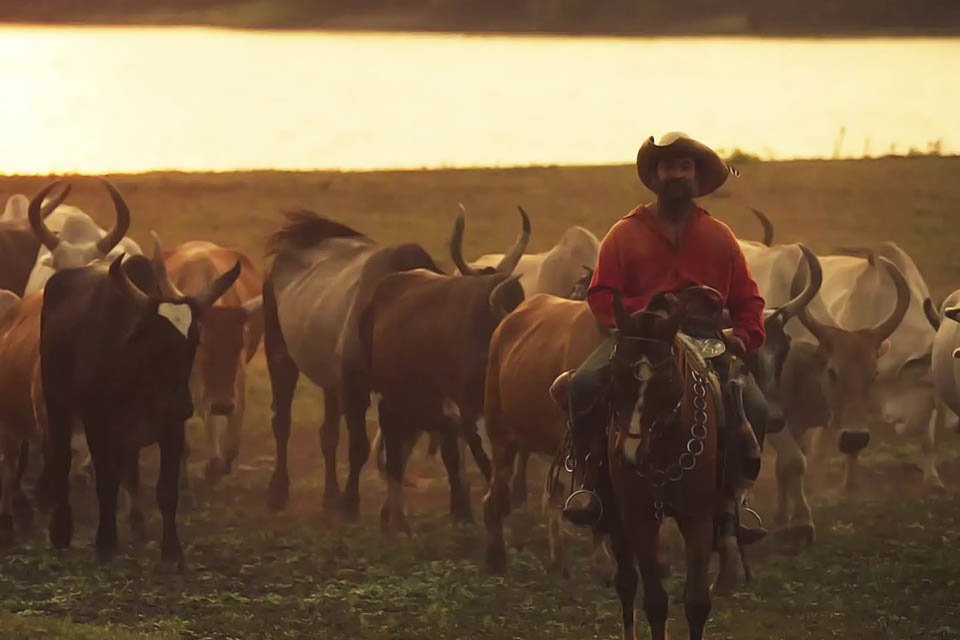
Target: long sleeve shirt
(638, 258)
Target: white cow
(856, 294)
(946, 355)
(71, 239)
(16, 208)
(556, 271)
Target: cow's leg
(496, 505)
(329, 441)
(625, 555)
(22, 509)
(558, 559)
(781, 519)
(57, 458)
(698, 540)
(459, 489)
(171, 452)
(107, 465)
(791, 476)
(395, 438)
(9, 459)
(131, 484)
(928, 452)
(471, 435)
(283, 382)
(356, 396)
(518, 488)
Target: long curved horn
(930, 311)
(883, 330)
(35, 217)
(866, 253)
(498, 297)
(218, 287)
(167, 289)
(815, 280)
(512, 257)
(122, 225)
(55, 202)
(456, 245)
(122, 281)
(766, 224)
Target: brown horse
(663, 454)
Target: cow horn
(803, 298)
(512, 257)
(766, 224)
(35, 217)
(253, 305)
(931, 312)
(55, 202)
(883, 330)
(952, 313)
(122, 281)
(866, 253)
(122, 224)
(168, 290)
(218, 287)
(456, 245)
(499, 301)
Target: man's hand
(736, 344)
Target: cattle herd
(99, 340)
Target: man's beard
(676, 196)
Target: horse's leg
(496, 505)
(329, 440)
(625, 580)
(698, 539)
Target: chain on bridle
(660, 477)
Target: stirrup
(566, 507)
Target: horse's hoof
(61, 530)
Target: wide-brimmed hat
(712, 172)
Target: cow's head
(849, 365)
(766, 363)
(84, 244)
(166, 333)
(510, 259)
(579, 290)
(223, 338)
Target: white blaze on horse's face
(179, 315)
(643, 372)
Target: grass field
(886, 564)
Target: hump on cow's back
(140, 272)
(409, 256)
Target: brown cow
(19, 246)
(426, 336)
(229, 338)
(22, 412)
(541, 339)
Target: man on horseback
(656, 248)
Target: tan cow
(229, 337)
(541, 339)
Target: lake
(109, 99)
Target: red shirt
(637, 257)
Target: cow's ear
(883, 348)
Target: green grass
(886, 565)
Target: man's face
(678, 179)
